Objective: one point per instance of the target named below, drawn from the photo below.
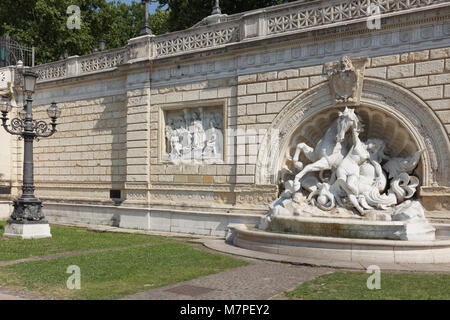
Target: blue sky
(153, 5)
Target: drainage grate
(189, 290)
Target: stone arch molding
(414, 115)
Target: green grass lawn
(352, 285)
(66, 239)
(125, 268)
(114, 274)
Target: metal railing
(11, 52)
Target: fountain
(347, 197)
(344, 191)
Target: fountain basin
(419, 230)
(340, 249)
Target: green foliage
(352, 286)
(185, 13)
(43, 24)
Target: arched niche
(388, 111)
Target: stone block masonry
(88, 151)
(112, 133)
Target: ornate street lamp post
(27, 219)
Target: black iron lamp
(27, 208)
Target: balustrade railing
(267, 22)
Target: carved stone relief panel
(193, 134)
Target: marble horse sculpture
(330, 150)
(347, 177)
(348, 171)
(357, 180)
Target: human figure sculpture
(187, 139)
(169, 133)
(197, 132)
(211, 144)
(176, 147)
(372, 180)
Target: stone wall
(112, 132)
(5, 158)
(254, 100)
(104, 142)
(87, 157)
(5, 174)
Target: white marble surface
(194, 134)
(27, 231)
(419, 230)
(153, 219)
(361, 180)
(341, 249)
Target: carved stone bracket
(345, 79)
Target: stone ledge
(146, 218)
(222, 246)
(341, 249)
(353, 228)
(436, 198)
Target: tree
(159, 21)
(184, 14)
(43, 25)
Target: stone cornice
(300, 50)
(314, 19)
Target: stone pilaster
(137, 141)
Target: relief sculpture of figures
(194, 134)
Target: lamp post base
(26, 230)
(146, 30)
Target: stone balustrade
(221, 30)
(199, 38)
(321, 13)
(5, 77)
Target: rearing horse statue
(330, 150)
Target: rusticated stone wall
(87, 156)
(115, 142)
(112, 132)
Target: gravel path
(261, 280)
